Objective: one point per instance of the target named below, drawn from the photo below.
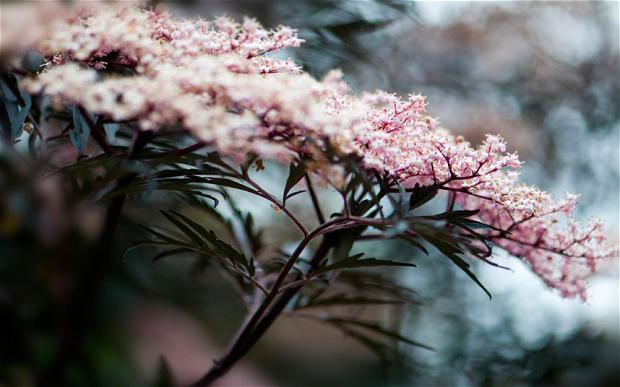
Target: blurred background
(546, 76)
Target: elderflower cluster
(215, 80)
(561, 255)
(398, 139)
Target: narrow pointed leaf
(448, 215)
(231, 184)
(80, 132)
(451, 251)
(296, 173)
(354, 262)
(222, 247)
(421, 195)
(343, 299)
(162, 236)
(184, 228)
(376, 328)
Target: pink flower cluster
(400, 140)
(145, 39)
(216, 81)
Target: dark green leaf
(474, 224)
(161, 236)
(222, 247)
(343, 241)
(452, 215)
(486, 241)
(362, 177)
(167, 253)
(231, 184)
(378, 329)
(296, 193)
(32, 141)
(184, 228)
(377, 347)
(354, 262)
(254, 236)
(421, 195)
(296, 173)
(343, 299)
(451, 250)
(414, 242)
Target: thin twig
(245, 176)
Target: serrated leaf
(474, 224)
(354, 262)
(461, 217)
(451, 251)
(486, 241)
(231, 184)
(222, 247)
(253, 236)
(374, 284)
(360, 175)
(161, 236)
(194, 201)
(187, 172)
(145, 188)
(184, 228)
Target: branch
(245, 176)
(238, 350)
